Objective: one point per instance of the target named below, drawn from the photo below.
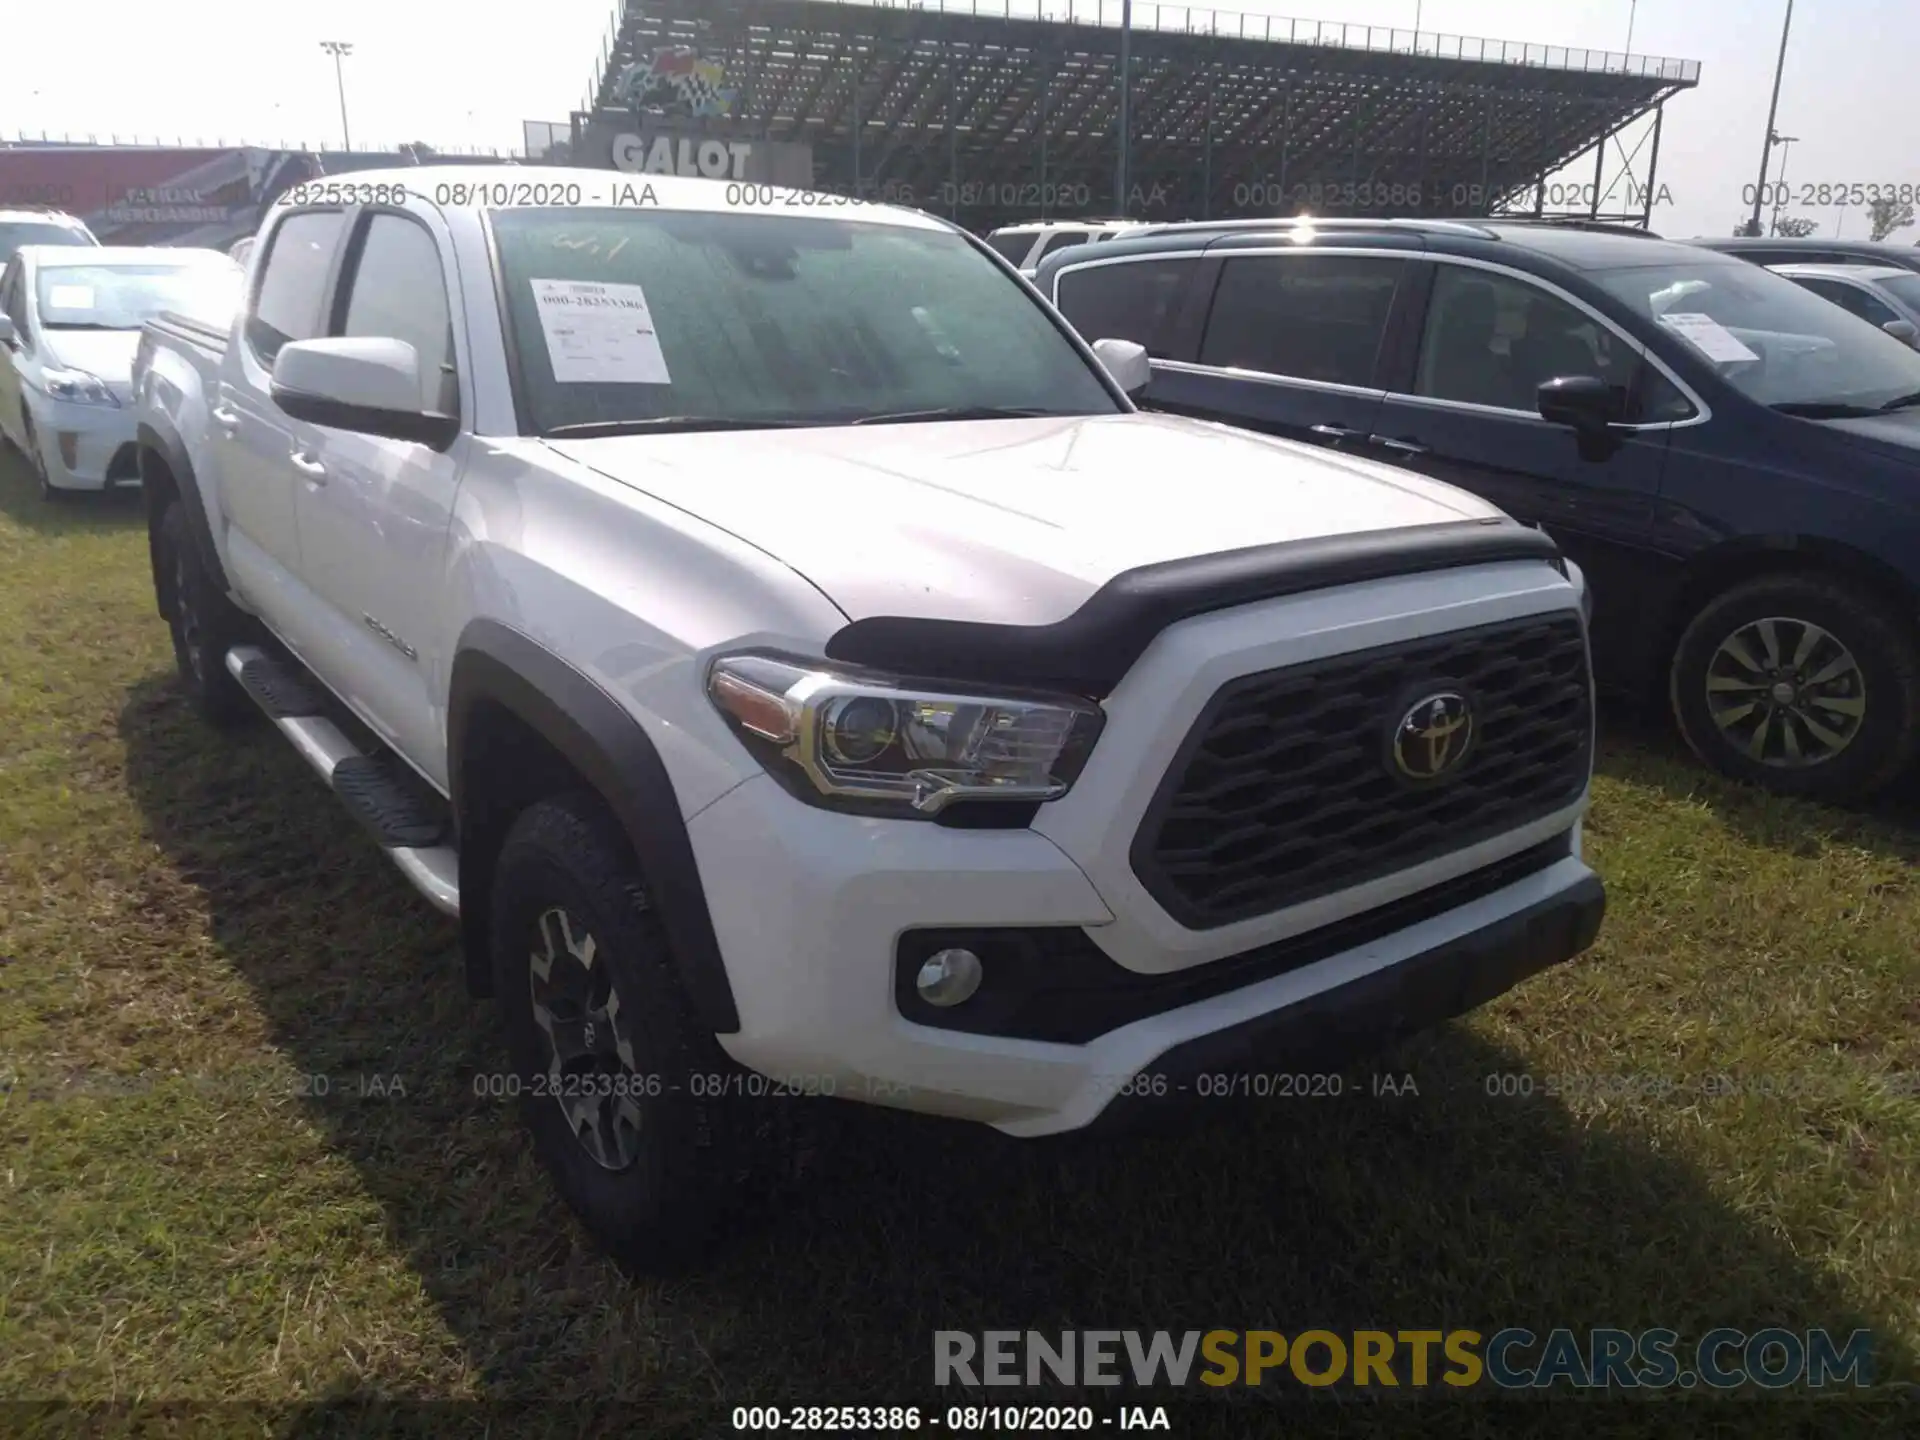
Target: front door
(373, 513)
(1468, 416)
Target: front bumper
(1293, 1046)
(86, 447)
(809, 906)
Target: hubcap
(1786, 693)
(188, 621)
(589, 1048)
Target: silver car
(70, 319)
(1883, 295)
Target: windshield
(14, 234)
(1904, 288)
(125, 297)
(695, 319)
(1772, 340)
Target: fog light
(948, 977)
(69, 448)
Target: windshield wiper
(87, 325)
(1901, 402)
(955, 412)
(1824, 409)
(664, 424)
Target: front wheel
(37, 463)
(1800, 683)
(628, 1098)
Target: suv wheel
(635, 1110)
(205, 624)
(1800, 683)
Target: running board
(380, 802)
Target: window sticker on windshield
(69, 297)
(598, 333)
(1709, 337)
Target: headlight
(76, 387)
(877, 745)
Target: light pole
(1126, 81)
(1633, 7)
(1785, 142)
(338, 49)
(1773, 136)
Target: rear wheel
(205, 624)
(1801, 683)
(634, 1108)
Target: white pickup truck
(779, 640)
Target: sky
(458, 73)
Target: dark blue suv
(1733, 461)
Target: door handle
(309, 467)
(1338, 432)
(227, 420)
(1404, 447)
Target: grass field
(190, 927)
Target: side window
(1493, 340)
(1314, 317)
(1869, 306)
(398, 291)
(287, 304)
(10, 296)
(1061, 240)
(1657, 399)
(1136, 300)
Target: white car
(805, 674)
(1883, 295)
(1025, 245)
(70, 321)
(40, 227)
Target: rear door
(1464, 410)
(253, 440)
(1292, 344)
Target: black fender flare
(610, 748)
(169, 447)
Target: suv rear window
(1012, 248)
(1133, 300)
(1311, 317)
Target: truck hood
(1011, 522)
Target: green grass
(189, 926)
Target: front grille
(1284, 790)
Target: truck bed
(200, 334)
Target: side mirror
(1584, 403)
(371, 386)
(1126, 362)
(7, 333)
(1902, 330)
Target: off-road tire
(1888, 655)
(707, 1150)
(204, 623)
